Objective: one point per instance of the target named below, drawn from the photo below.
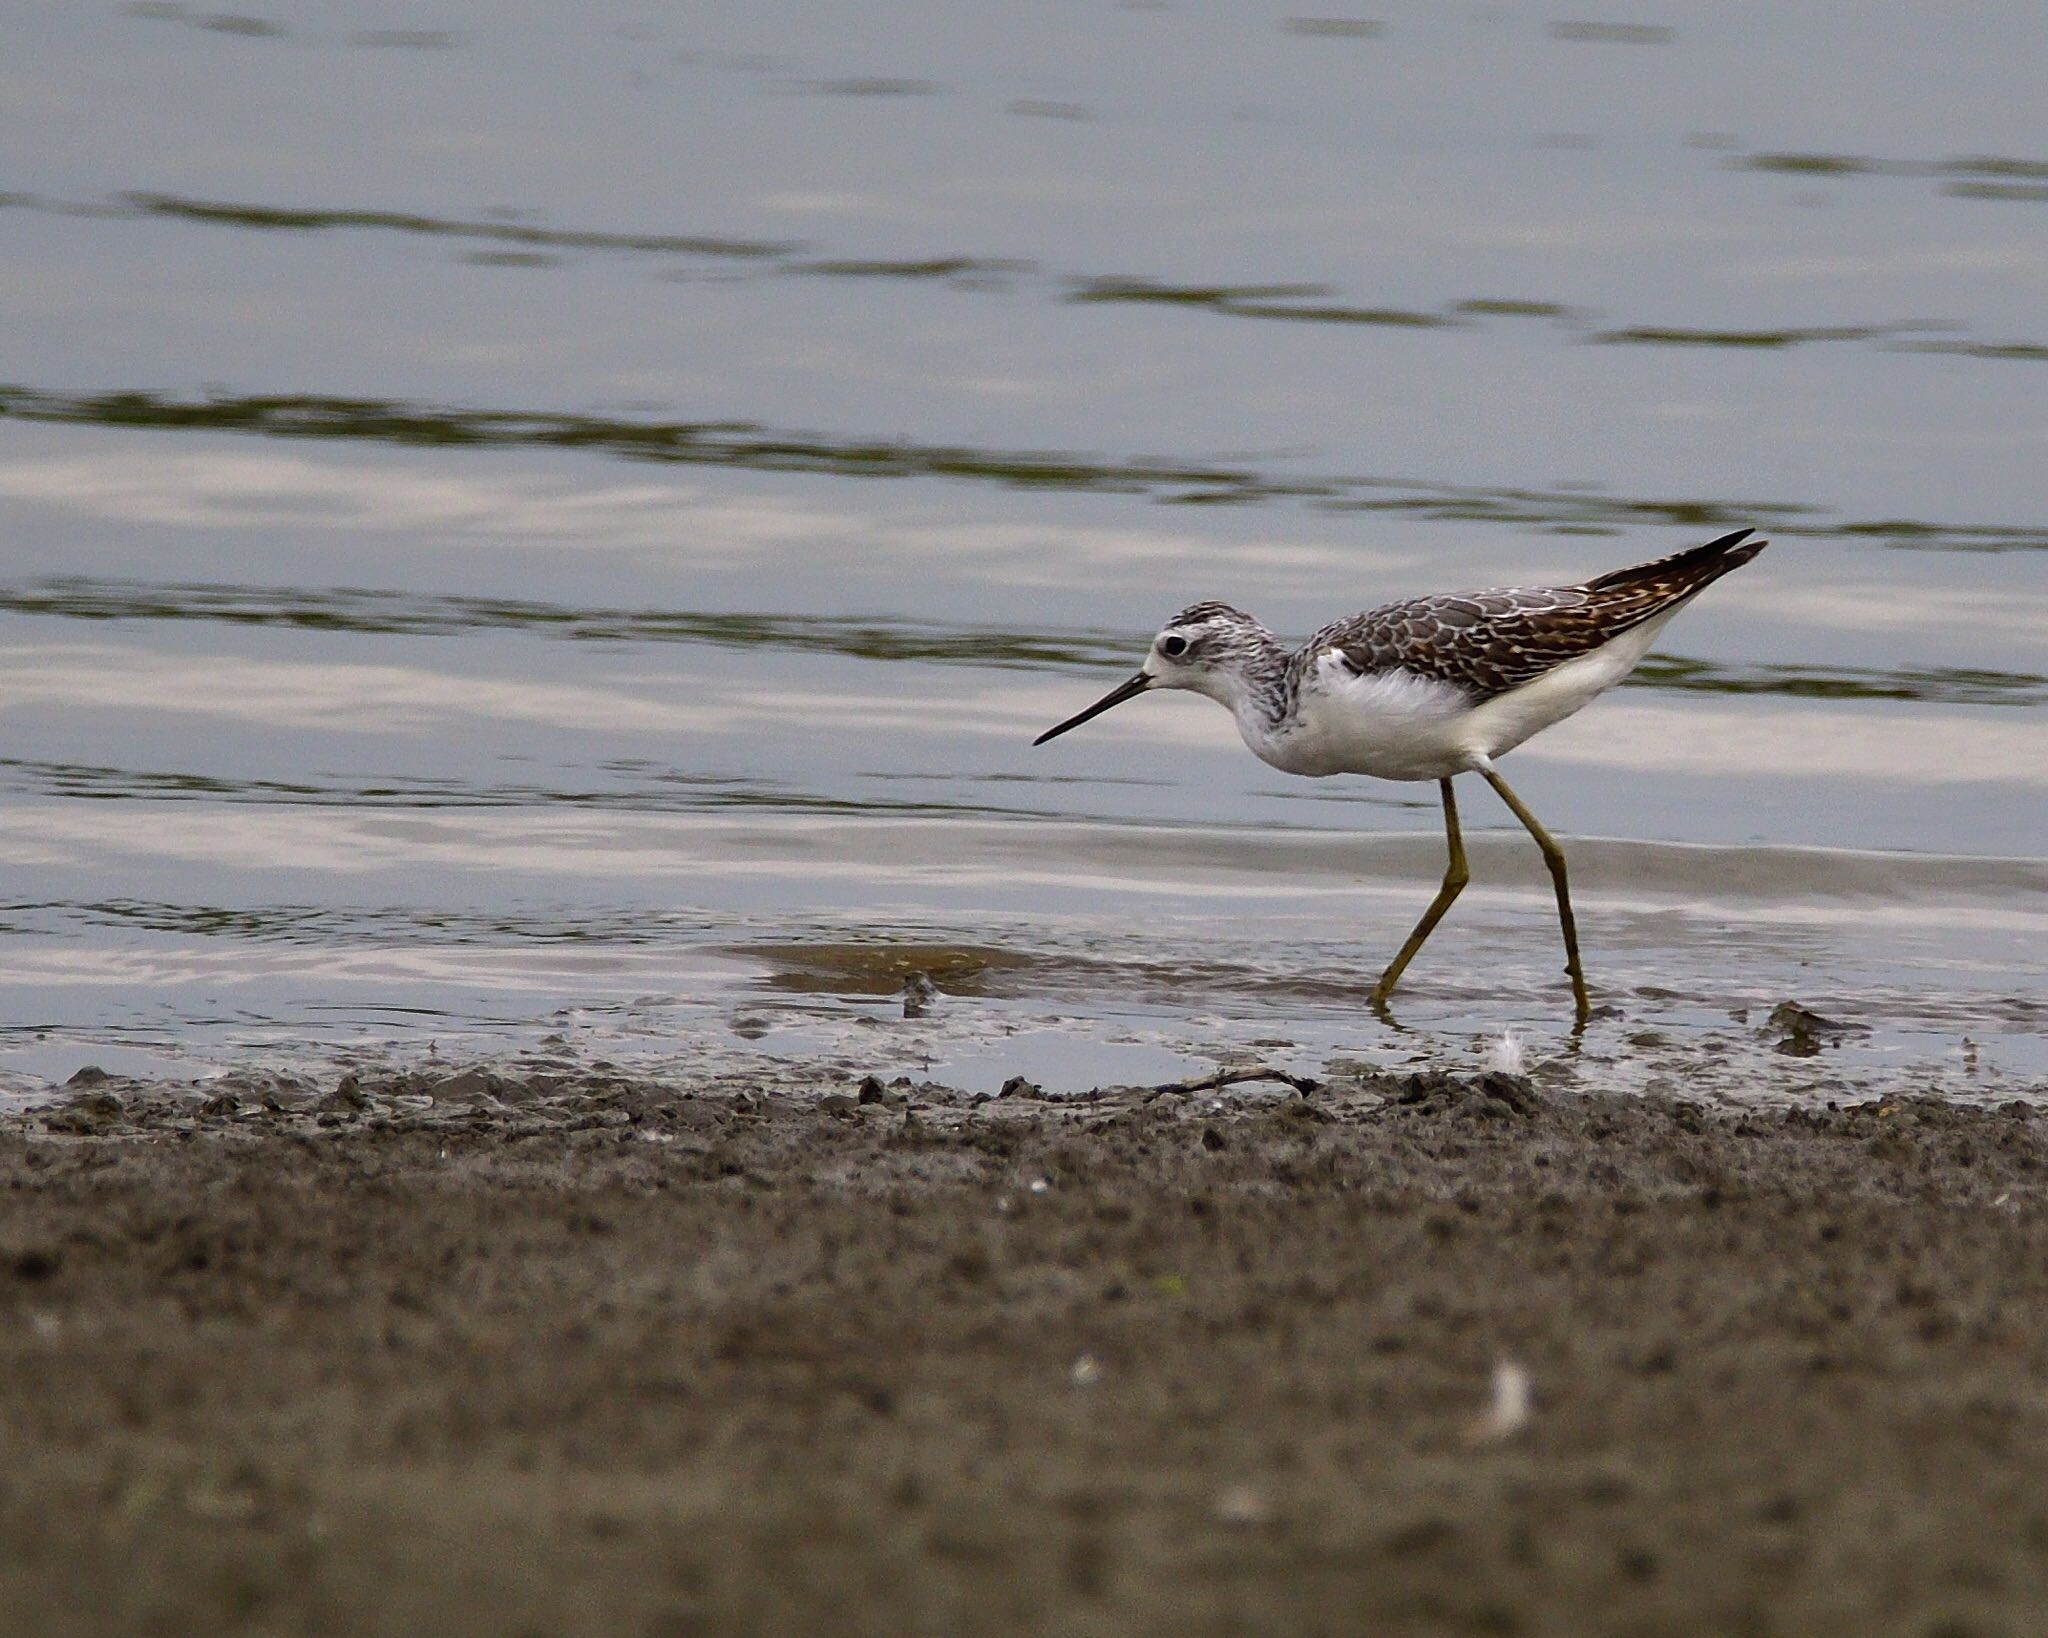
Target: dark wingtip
(1737, 548)
(1692, 568)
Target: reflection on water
(933, 642)
(511, 233)
(557, 680)
(1269, 301)
(1977, 177)
(754, 448)
(1296, 302)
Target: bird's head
(1209, 647)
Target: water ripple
(750, 446)
(924, 641)
(1293, 301)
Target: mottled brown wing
(1483, 642)
(1489, 642)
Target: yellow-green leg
(1553, 856)
(1455, 879)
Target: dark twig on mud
(1304, 1084)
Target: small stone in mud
(1419, 1536)
(872, 1090)
(1018, 1087)
(1657, 1359)
(919, 992)
(89, 1075)
(87, 1113)
(1492, 1093)
(1512, 1090)
(1801, 1032)
(1637, 1563)
(34, 1264)
(1244, 1506)
(469, 1085)
(346, 1098)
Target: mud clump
(1800, 1032)
(567, 1350)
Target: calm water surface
(532, 533)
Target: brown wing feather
(1492, 641)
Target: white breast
(1396, 725)
(1393, 725)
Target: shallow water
(520, 528)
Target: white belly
(1392, 725)
(1395, 725)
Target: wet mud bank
(483, 1353)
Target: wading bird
(1431, 688)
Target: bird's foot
(1378, 1000)
(1582, 1008)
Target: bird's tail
(1671, 579)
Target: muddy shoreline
(493, 1354)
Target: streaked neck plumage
(1245, 668)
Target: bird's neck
(1256, 687)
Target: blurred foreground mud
(485, 1354)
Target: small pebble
(1244, 1506)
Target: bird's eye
(1173, 647)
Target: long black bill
(1116, 696)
